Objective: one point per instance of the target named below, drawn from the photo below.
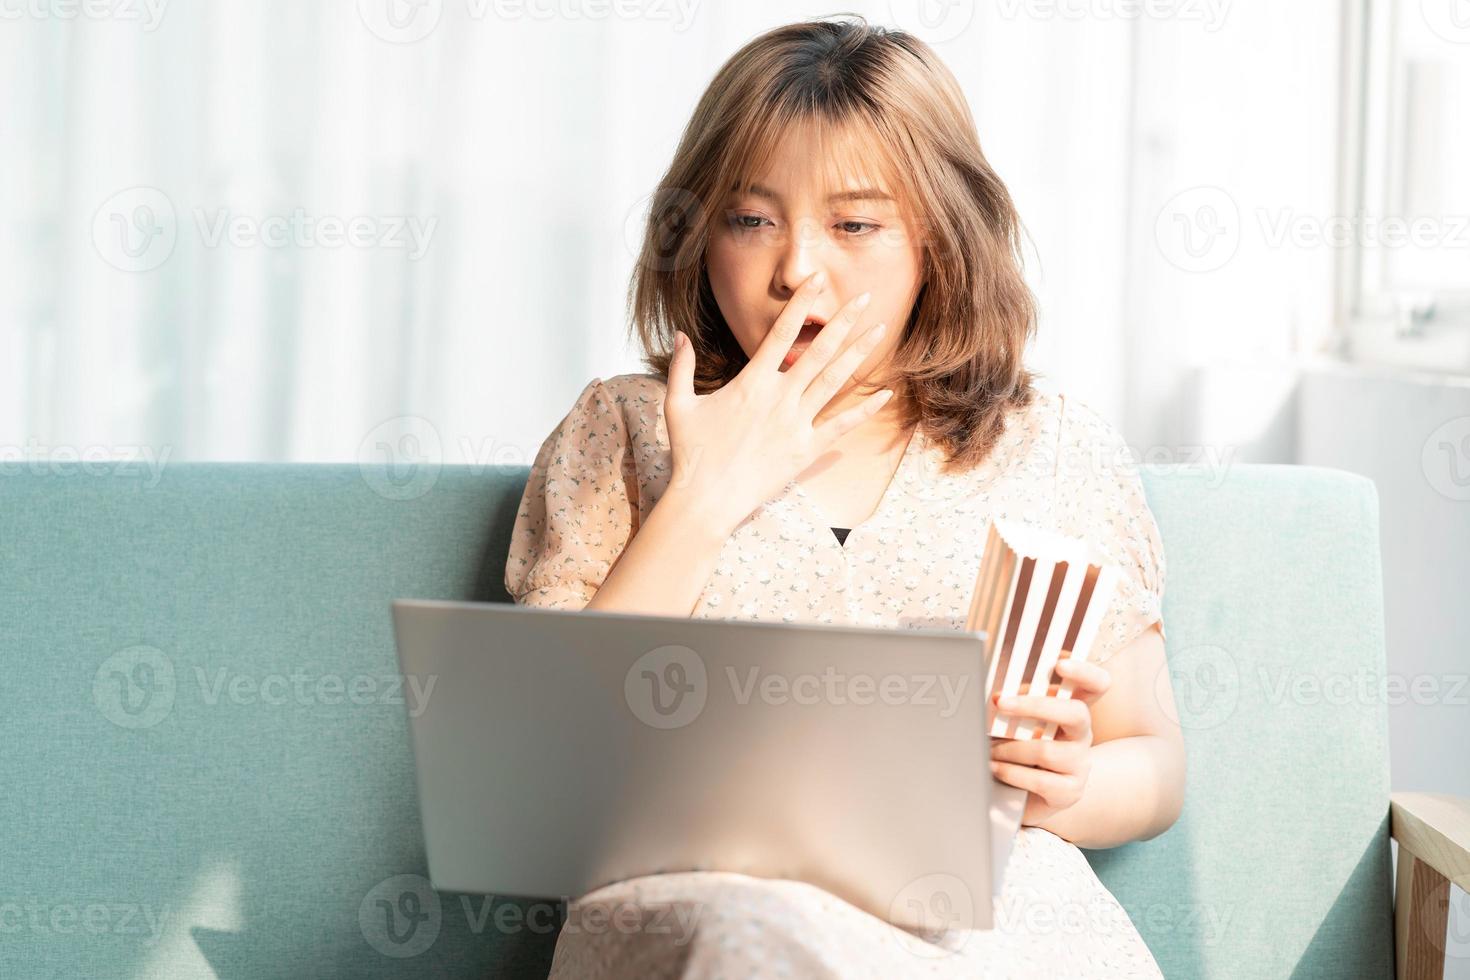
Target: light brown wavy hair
(959, 358)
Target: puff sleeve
(579, 508)
(1101, 490)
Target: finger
(834, 428)
(778, 340)
(1047, 785)
(1089, 681)
(1057, 756)
(837, 373)
(1072, 718)
(828, 342)
(681, 370)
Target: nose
(801, 255)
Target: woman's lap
(1053, 916)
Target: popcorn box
(1040, 597)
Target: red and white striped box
(1040, 597)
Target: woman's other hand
(1053, 771)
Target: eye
(752, 222)
(738, 221)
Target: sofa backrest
(1279, 865)
(208, 767)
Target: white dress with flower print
(911, 565)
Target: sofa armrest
(1433, 831)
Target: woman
(832, 307)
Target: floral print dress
(911, 565)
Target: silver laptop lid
(560, 751)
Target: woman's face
(766, 243)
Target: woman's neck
(885, 430)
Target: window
(1404, 273)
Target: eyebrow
(858, 194)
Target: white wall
(1411, 435)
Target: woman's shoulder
(625, 389)
(1059, 439)
(635, 389)
(638, 398)
(1059, 420)
(623, 409)
(1093, 468)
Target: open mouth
(808, 333)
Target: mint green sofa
(206, 768)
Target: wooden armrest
(1433, 831)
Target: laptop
(559, 751)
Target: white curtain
(259, 231)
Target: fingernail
(1007, 702)
(678, 340)
(819, 280)
(863, 300)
